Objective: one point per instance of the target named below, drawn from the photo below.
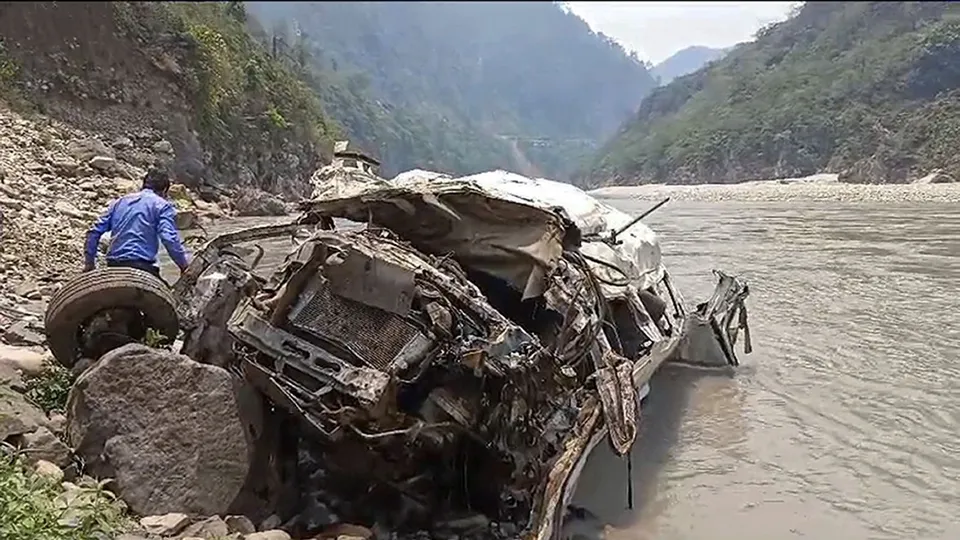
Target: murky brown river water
(845, 421)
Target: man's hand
(87, 267)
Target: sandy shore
(772, 191)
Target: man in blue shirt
(138, 222)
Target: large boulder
(254, 202)
(166, 428)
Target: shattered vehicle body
(453, 357)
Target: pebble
(49, 470)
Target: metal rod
(635, 220)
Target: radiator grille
(376, 335)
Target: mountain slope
(686, 61)
(463, 85)
(869, 90)
(184, 73)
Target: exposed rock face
(167, 428)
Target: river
(843, 423)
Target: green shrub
(50, 388)
(35, 507)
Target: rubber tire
(105, 288)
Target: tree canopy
(870, 90)
(462, 86)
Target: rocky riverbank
(820, 188)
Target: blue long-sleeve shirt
(138, 222)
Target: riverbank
(797, 190)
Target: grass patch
(49, 389)
(35, 507)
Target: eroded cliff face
(188, 74)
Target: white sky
(656, 30)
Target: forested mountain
(686, 61)
(461, 86)
(870, 90)
(184, 72)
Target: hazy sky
(658, 29)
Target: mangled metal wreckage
(454, 359)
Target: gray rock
(83, 150)
(164, 426)
(122, 143)
(64, 166)
(165, 525)
(49, 470)
(254, 202)
(103, 164)
(35, 167)
(57, 423)
(13, 204)
(17, 415)
(70, 210)
(21, 333)
(42, 444)
(212, 527)
(270, 523)
(27, 360)
(239, 524)
(27, 287)
(163, 147)
(187, 219)
(11, 377)
(275, 534)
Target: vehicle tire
(91, 292)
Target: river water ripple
(843, 423)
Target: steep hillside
(185, 75)
(869, 90)
(686, 61)
(464, 86)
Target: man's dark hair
(157, 179)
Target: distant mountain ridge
(686, 61)
(463, 87)
(866, 90)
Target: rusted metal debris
(453, 360)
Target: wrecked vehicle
(450, 350)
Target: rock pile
(54, 182)
(23, 424)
